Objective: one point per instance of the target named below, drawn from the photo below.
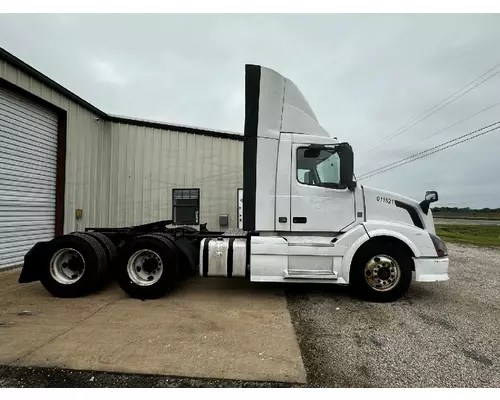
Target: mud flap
(34, 261)
(190, 252)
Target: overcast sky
(364, 76)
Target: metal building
(66, 165)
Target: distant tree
(464, 210)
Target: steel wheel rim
(67, 266)
(382, 273)
(145, 267)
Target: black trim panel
(230, 252)
(61, 171)
(252, 95)
(364, 202)
(205, 257)
(29, 70)
(417, 221)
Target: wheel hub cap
(382, 273)
(144, 267)
(67, 266)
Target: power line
(436, 149)
(428, 154)
(423, 116)
(448, 127)
(432, 113)
(432, 148)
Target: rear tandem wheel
(148, 266)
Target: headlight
(439, 245)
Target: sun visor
(274, 104)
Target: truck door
(318, 202)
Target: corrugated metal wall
(87, 178)
(147, 164)
(122, 174)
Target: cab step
(310, 274)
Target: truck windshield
(319, 167)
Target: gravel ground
(62, 378)
(443, 334)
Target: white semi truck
(305, 219)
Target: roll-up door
(28, 166)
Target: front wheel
(381, 271)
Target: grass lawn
(480, 235)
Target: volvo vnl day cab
(305, 219)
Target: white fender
(416, 239)
(397, 235)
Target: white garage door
(28, 151)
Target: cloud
(364, 75)
(104, 72)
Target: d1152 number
(385, 200)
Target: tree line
(464, 209)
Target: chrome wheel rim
(382, 273)
(67, 266)
(145, 267)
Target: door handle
(299, 220)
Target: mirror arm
(424, 205)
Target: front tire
(381, 271)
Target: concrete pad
(213, 328)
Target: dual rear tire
(149, 266)
(77, 264)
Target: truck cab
(312, 221)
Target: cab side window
(318, 167)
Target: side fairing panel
(298, 117)
(268, 259)
(271, 97)
(267, 157)
(282, 217)
(281, 105)
(264, 91)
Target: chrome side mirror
(431, 196)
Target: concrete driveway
(226, 329)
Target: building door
(28, 166)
